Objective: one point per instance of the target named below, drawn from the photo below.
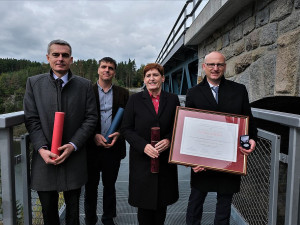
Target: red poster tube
(155, 137)
(57, 132)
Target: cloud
(120, 29)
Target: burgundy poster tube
(155, 137)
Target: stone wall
(262, 47)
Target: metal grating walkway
(126, 214)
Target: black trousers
(152, 217)
(106, 161)
(49, 201)
(195, 208)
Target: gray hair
(58, 42)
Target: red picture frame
(237, 167)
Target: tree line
(14, 74)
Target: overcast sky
(95, 28)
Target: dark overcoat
(148, 190)
(40, 104)
(233, 98)
(120, 98)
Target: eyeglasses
(212, 65)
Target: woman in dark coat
(151, 192)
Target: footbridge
(260, 40)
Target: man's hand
(197, 169)
(101, 141)
(151, 151)
(47, 156)
(252, 147)
(67, 150)
(114, 137)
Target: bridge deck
(126, 214)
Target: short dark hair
(151, 66)
(58, 42)
(109, 60)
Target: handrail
(288, 119)
(11, 119)
(7, 122)
(174, 32)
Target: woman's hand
(162, 145)
(151, 151)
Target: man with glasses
(215, 93)
(59, 90)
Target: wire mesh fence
(252, 201)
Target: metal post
(188, 75)
(26, 180)
(293, 187)
(185, 13)
(274, 175)
(194, 3)
(8, 177)
(173, 39)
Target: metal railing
(181, 25)
(267, 159)
(293, 159)
(257, 202)
(7, 122)
(31, 206)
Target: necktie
(216, 90)
(59, 83)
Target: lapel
(116, 100)
(95, 88)
(207, 92)
(148, 102)
(224, 89)
(162, 102)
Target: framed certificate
(209, 139)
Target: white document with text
(209, 139)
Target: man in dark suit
(230, 97)
(59, 90)
(102, 155)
